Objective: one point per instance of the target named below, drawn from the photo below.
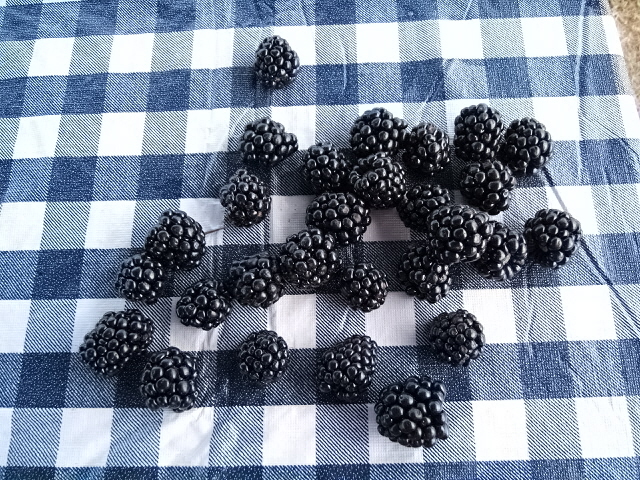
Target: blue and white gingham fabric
(111, 111)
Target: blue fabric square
(474, 73)
(374, 91)
(456, 379)
(498, 9)
(72, 179)
(544, 370)
(502, 470)
(616, 268)
(126, 92)
(620, 155)
(97, 17)
(120, 473)
(85, 93)
(410, 11)
(302, 92)
(560, 83)
(29, 180)
(546, 469)
(591, 362)
(203, 94)
(630, 356)
(57, 274)
(186, 473)
(169, 91)
(30, 473)
(12, 98)
(342, 472)
(84, 473)
(100, 271)
(595, 75)
(108, 184)
(233, 390)
(5, 177)
(457, 10)
(175, 15)
(128, 384)
(44, 96)
(423, 81)
(254, 14)
(399, 471)
(550, 8)
(245, 92)
(209, 166)
(295, 12)
(18, 268)
(34, 436)
(20, 22)
(10, 366)
(373, 11)
(297, 387)
(43, 380)
(340, 12)
(160, 176)
(496, 376)
(612, 468)
(450, 471)
(136, 16)
(337, 84)
(583, 8)
(216, 14)
(509, 77)
(235, 473)
(58, 20)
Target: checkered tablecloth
(111, 111)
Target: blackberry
(505, 255)
(377, 130)
(428, 149)
(552, 237)
(378, 180)
(364, 286)
(487, 185)
(528, 146)
(309, 258)
(255, 280)
(177, 241)
(411, 412)
(116, 338)
(169, 380)
(478, 133)
(458, 233)
(418, 202)
(325, 168)
(341, 214)
(246, 199)
(347, 368)
(422, 277)
(456, 337)
(204, 305)
(264, 357)
(140, 279)
(266, 142)
(277, 64)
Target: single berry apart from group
(140, 279)
(246, 199)
(552, 236)
(205, 305)
(276, 64)
(169, 380)
(264, 357)
(456, 337)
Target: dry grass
(627, 15)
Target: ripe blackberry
(169, 380)
(264, 357)
(478, 133)
(140, 279)
(177, 241)
(377, 130)
(347, 368)
(341, 214)
(309, 258)
(325, 168)
(204, 305)
(116, 338)
(428, 149)
(255, 280)
(487, 185)
(412, 413)
(528, 146)
(458, 233)
(364, 286)
(505, 255)
(246, 199)
(552, 237)
(422, 277)
(277, 64)
(418, 202)
(378, 180)
(456, 337)
(266, 141)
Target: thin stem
(214, 230)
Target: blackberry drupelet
(505, 255)
(478, 133)
(428, 149)
(325, 168)
(140, 279)
(177, 241)
(377, 130)
(264, 357)
(116, 338)
(418, 202)
(411, 412)
(246, 199)
(348, 367)
(341, 214)
(309, 258)
(255, 280)
(552, 237)
(364, 286)
(378, 181)
(169, 380)
(265, 141)
(456, 337)
(528, 146)
(487, 185)
(458, 233)
(422, 277)
(204, 305)
(277, 64)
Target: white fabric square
(190, 339)
(394, 322)
(37, 137)
(371, 49)
(88, 312)
(396, 108)
(302, 39)
(578, 201)
(382, 451)
(185, 438)
(611, 32)
(5, 434)
(587, 313)
(294, 318)
(500, 430)
(14, 315)
(604, 427)
(131, 53)
(51, 56)
(544, 37)
(301, 120)
(287, 216)
(212, 49)
(121, 133)
(207, 130)
(629, 114)
(209, 213)
(289, 435)
(110, 224)
(494, 310)
(386, 226)
(85, 437)
(560, 116)
(461, 39)
(21, 225)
